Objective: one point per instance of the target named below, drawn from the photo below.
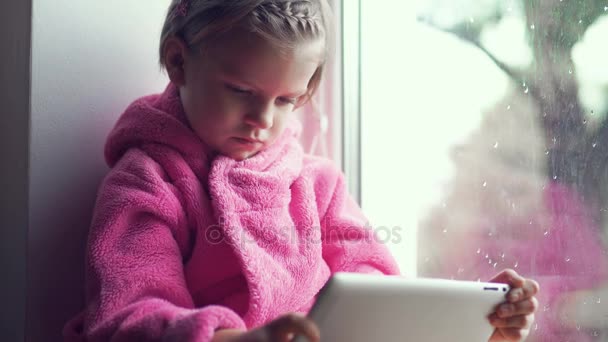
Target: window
(484, 146)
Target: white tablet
(364, 308)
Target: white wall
(14, 127)
(90, 59)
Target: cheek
(229, 108)
(280, 123)
(217, 110)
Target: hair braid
(296, 14)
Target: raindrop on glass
(532, 26)
(496, 144)
(584, 122)
(484, 184)
(445, 230)
(605, 8)
(580, 21)
(478, 250)
(547, 152)
(535, 326)
(516, 264)
(595, 333)
(471, 20)
(554, 177)
(508, 107)
(526, 90)
(578, 326)
(546, 233)
(567, 259)
(593, 145)
(599, 300)
(546, 308)
(570, 71)
(502, 256)
(487, 256)
(460, 270)
(495, 264)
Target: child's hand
(513, 318)
(282, 329)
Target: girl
(213, 225)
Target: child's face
(239, 94)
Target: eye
(238, 90)
(288, 100)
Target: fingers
(528, 289)
(513, 322)
(509, 276)
(509, 334)
(286, 327)
(531, 288)
(524, 307)
(521, 288)
(513, 318)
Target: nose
(262, 117)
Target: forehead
(247, 56)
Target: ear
(174, 57)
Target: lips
(249, 140)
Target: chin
(240, 156)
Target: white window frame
(351, 96)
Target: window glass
(485, 146)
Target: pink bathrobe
(183, 244)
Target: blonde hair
(283, 23)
